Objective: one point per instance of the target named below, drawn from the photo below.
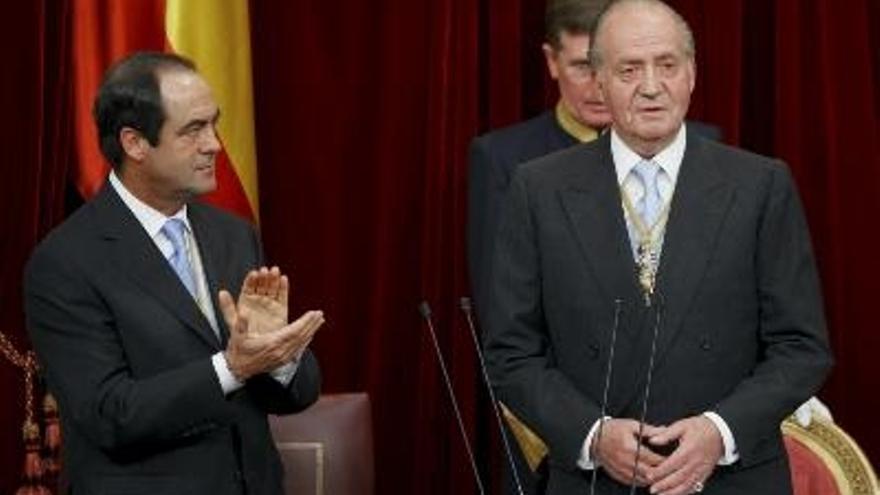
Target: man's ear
(134, 144)
(693, 75)
(552, 59)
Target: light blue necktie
(174, 231)
(651, 203)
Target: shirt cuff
(284, 374)
(227, 380)
(730, 454)
(585, 461)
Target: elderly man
(655, 309)
(164, 380)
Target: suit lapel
(135, 254)
(700, 205)
(212, 251)
(592, 205)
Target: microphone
(658, 312)
(609, 368)
(425, 311)
(465, 305)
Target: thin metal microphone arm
(606, 388)
(658, 313)
(425, 311)
(465, 304)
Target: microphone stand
(465, 305)
(648, 380)
(425, 311)
(609, 367)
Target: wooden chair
(827, 461)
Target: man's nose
(650, 85)
(211, 141)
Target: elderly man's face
(646, 76)
(577, 85)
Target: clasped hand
(685, 470)
(260, 337)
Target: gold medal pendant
(647, 257)
(645, 264)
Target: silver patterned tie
(174, 230)
(650, 204)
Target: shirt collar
(571, 126)
(669, 158)
(150, 218)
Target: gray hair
(597, 57)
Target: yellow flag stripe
(216, 35)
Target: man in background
(578, 116)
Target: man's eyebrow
(198, 123)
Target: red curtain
(37, 154)
(365, 211)
(364, 111)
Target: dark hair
(129, 96)
(570, 16)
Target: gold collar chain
(647, 253)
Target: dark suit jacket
(493, 159)
(127, 352)
(742, 331)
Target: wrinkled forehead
(642, 31)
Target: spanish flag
(215, 35)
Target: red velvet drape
(37, 149)
(364, 110)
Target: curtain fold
(37, 142)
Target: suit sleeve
(794, 345)
(84, 362)
(484, 196)
(300, 393)
(518, 349)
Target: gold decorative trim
(839, 452)
(533, 448)
(568, 123)
(318, 447)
